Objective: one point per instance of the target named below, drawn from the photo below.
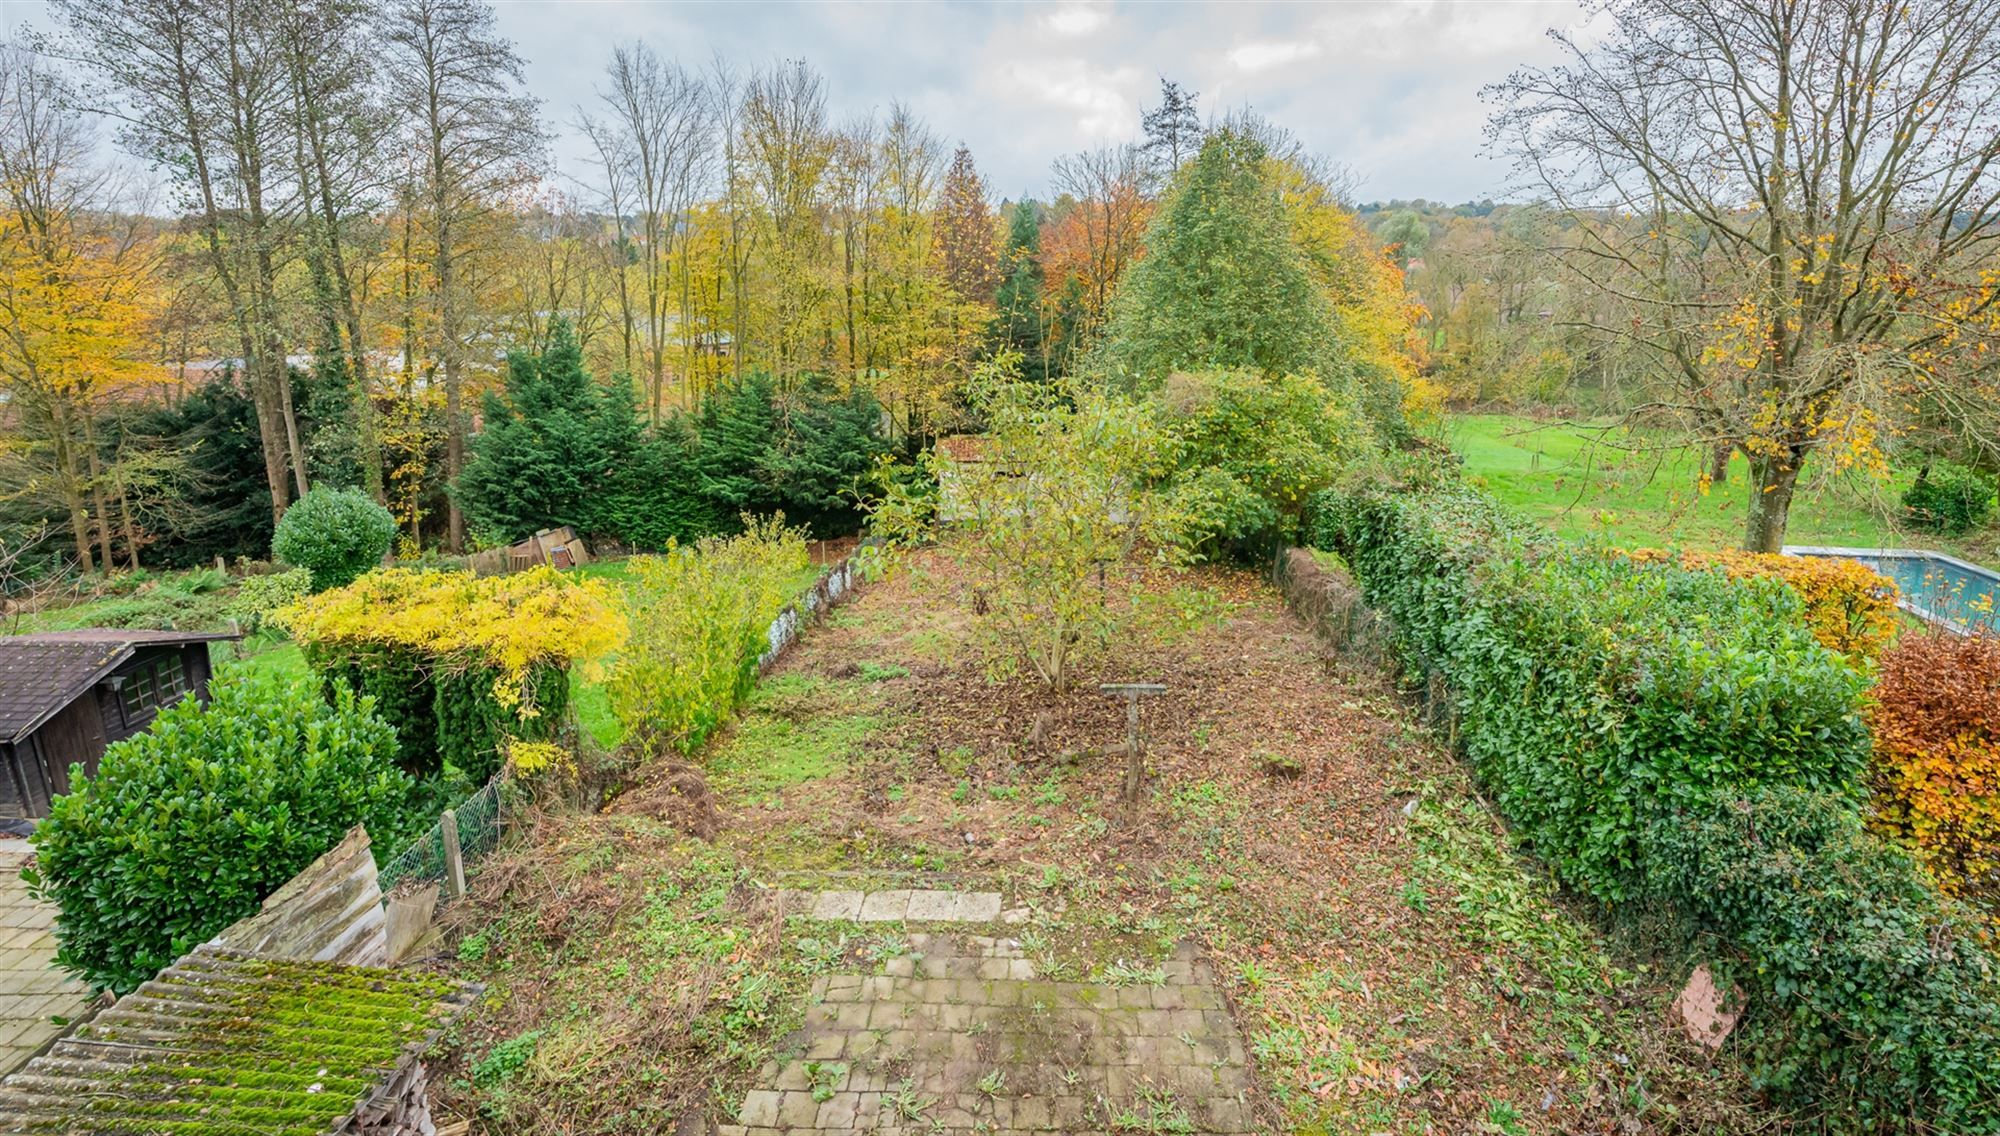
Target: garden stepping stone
(900, 905)
(960, 1034)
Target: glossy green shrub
(335, 533)
(1875, 1004)
(187, 827)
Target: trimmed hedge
(185, 828)
(1680, 737)
(1849, 607)
(1598, 696)
(1937, 758)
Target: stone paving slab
(900, 905)
(32, 991)
(961, 1035)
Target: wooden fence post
(454, 858)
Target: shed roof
(224, 1041)
(963, 447)
(41, 674)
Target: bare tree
(477, 134)
(200, 87)
(339, 127)
(1795, 200)
(657, 132)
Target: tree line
(350, 218)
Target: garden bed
(1390, 964)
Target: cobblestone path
(961, 1036)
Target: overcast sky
(1391, 89)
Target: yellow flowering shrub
(1849, 607)
(507, 624)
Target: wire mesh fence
(478, 820)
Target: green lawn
(1627, 488)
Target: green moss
(265, 1045)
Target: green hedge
(186, 828)
(1672, 736)
(1874, 1003)
(442, 714)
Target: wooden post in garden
(1135, 763)
(454, 859)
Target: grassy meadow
(1634, 489)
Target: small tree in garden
(1058, 496)
(185, 828)
(337, 534)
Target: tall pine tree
(548, 446)
(1222, 284)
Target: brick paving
(32, 990)
(960, 1035)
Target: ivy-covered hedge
(185, 828)
(1674, 736)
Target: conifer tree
(1222, 284)
(1017, 321)
(548, 445)
(965, 232)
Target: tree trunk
(1718, 463)
(1773, 478)
(454, 395)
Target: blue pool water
(1939, 588)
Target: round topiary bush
(336, 534)
(185, 828)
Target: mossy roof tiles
(226, 1042)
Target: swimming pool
(1936, 588)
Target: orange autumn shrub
(1849, 607)
(1936, 774)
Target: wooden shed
(65, 695)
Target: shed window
(153, 685)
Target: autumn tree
(476, 135)
(965, 232)
(788, 147)
(1797, 200)
(1103, 229)
(74, 284)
